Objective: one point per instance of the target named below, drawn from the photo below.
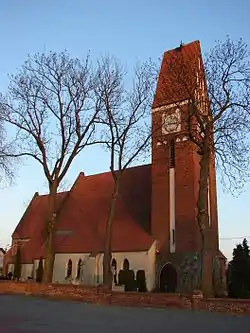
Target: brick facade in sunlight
(175, 160)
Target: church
(155, 227)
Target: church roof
(87, 207)
(178, 70)
(2, 250)
(34, 215)
(83, 215)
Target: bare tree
(50, 104)
(217, 121)
(227, 69)
(126, 131)
(6, 165)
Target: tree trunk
(107, 273)
(203, 222)
(50, 232)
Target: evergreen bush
(121, 277)
(141, 280)
(127, 278)
(130, 283)
(238, 274)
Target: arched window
(126, 264)
(114, 264)
(79, 267)
(114, 270)
(69, 269)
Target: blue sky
(131, 31)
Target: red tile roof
(87, 208)
(177, 74)
(34, 215)
(31, 226)
(82, 216)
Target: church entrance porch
(168, 278)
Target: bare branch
(228, 81)
(49, 102)
(126, 131)
(219, 95)
(6, 163)
(125, 114)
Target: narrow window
(126, 264)
(172, 154)
(79, 267)
(173, 236)
(69, 269)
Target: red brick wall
(100, 296)
(96, 295)
(160, 193)
(187, 173)
(177, 81)
(186, 180)
(186, 226)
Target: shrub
(121, 277)
(130, 283)
(127, 278)
(141, 281)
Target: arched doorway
(168, 278)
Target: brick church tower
(175, 164)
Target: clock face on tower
(171, 122)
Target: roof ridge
(36, 194)
(109, 172)
(32, 201)
(47, 194)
